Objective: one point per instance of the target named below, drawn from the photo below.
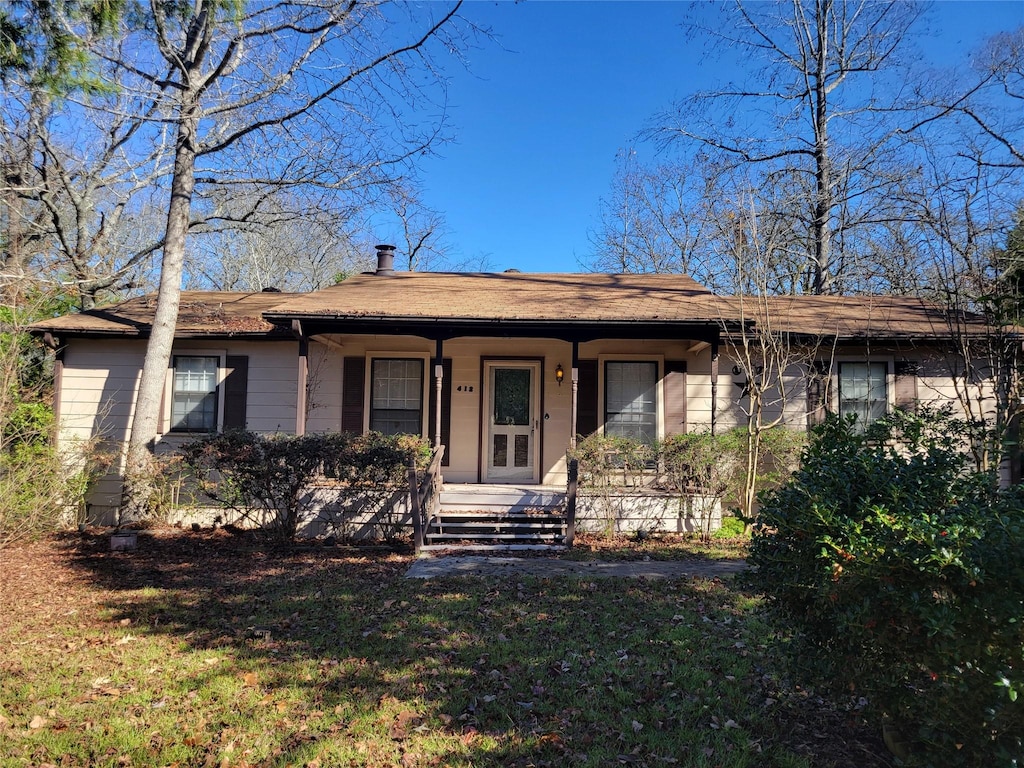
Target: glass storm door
(512, 422)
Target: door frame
(487, 364)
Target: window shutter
(353, 389)
(905, 387)
(675, 397)
(446, 410)
(817, 393)
(236, 391)
(586, 398)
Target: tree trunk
(823, 198)
(139, 476)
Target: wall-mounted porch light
(559, 374)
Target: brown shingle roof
(201, 313)
(509, 296)
(570, 299)
(851, 317)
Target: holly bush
(901, 576)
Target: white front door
(513, 420)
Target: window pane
(194, 398)
(499, 457)
(862, 391)
(512, 396)
(396, 389)
(631, 408)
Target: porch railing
(570, 501)
(424, 495)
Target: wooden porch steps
(498, 517)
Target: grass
(657, 546)
(211, 650)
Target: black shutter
(446, 411)
(236, 391)
(353, 388)
(587, 410)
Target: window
(194, 394)
(396, 396)
(631, 402)
(862, 391)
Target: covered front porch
(506, 370)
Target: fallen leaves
(405, 722)
(544, 672)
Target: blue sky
(541, 112)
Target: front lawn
(209, 649)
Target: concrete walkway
(549, 567)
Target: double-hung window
(862, 391)
(194, 393)
(396, 396)
(631, 400)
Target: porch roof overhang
(444, 329)
(571, 307)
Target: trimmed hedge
(272, 474)
(902, 576)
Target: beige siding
(324, 407)
(100, 380)
(698, 382)
(935, 385)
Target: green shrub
(272, 475)
(780, 453)
(700, 462)
(731, 528)
(43, 489)
(613, 461)
(900, 573)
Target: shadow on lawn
(340, 633)
(334, 648)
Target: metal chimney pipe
(385, 259)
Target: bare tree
(95, 195)
(990, 99)
(816, 117)
(423, 231)
(294, 243)
(773, 362)
(655, 220)
(23, 234)
(964, 212)
(281, 94)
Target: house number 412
(464, 388)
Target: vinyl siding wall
(101, 376)
(100, 381)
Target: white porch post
(302, 379)
(438, 384)
(574, 377)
